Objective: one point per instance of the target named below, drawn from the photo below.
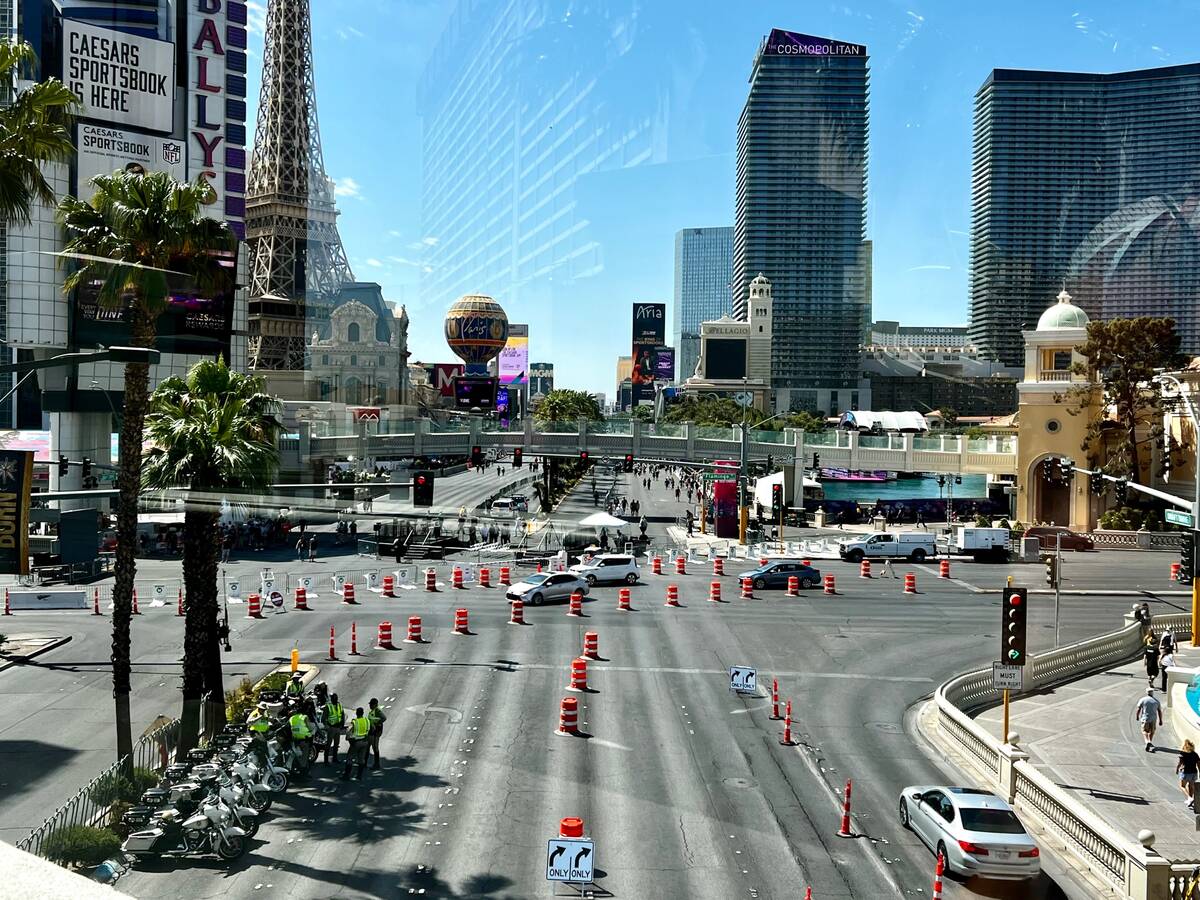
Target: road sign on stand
(1175, 517)
(1006, 678)
(571, 859)
(743, 680)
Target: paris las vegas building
(186, 115)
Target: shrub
(276, 681)
(239, 701)
(80, 845)
(982, 521)
(115, 786)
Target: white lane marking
(666, 670)
(613, 744)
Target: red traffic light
(420, 479)
(1014, 599)
(583, 454)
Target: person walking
(1150, 658)
(226, 547)
(1149, 715)
(377, 717)
(643, 525)
(677, 494)
(312, 547)
(300, 547)
(1166, 661)
(335, 721)
(1187, 768)
(1166, 644)
(358, 731)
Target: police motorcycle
(206, 784)
(209, 830)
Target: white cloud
(927, 268)
(346, 187)
(348, 32)
(374, 263)
(256, 20)
(404, 261)
(429, 241)
(394, 233)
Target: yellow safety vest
(299, 723)
(361, 726)
(262, 723)
(333, 713)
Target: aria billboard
(649, 336)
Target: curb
(54, 645)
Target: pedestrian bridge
(951, 454)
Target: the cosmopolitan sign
(119, 78)
(789, 43)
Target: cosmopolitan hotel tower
(801, 214)
(185, 115)
(1089, 182)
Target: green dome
(1063, 314)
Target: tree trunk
(129, 477)
(214, 683)
(199, 627)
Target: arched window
(352, 333)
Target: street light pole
(1187, 400)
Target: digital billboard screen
(473, 391)
(649, 336)
(513, 364)
(724, 359)
(664, 364)
(193, 322)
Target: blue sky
(927, 61)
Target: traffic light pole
(1004, 733)
(1057, 590)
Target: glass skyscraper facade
(703, 276)
(801, 212)
(1090, 182)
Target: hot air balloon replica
(476, 329)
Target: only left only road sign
(571, 859)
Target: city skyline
(927, 63)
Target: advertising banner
(444, 375)
(120, 78)
(649, 334)
(664, 364)
(16, 481)
(103, 150)
(513, 365)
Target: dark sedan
(776, 574)
(1047, 536)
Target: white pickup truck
(914, 545)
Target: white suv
(608, 567)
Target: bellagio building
(1088, 182)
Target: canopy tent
(603, 520)
(865, 420)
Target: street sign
(570, 859)
(720, 476)
(1175, 517)
(743, 680)
(1006, 678)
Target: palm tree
(126, 240)
(211, 432)
(34, 129)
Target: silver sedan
(537, 589)
(975, 831)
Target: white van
(503, 506)
(914, 545)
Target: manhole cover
(888, 727)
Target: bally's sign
(120, 78)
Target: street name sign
(1175, 517)
(743, 680)
(720, 476)
(1006, 678)
(571, 859)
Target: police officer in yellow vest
(377, 717)
(335, 721)
(295, 687)
(302, 732)
(358, 730)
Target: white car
(975, 831)
(537, 589)
(608, 567)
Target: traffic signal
(958, 479)
(64, 466)
(777, 498)
(87, 467)
(1067, 468)
(1121, 491)
(1096, 483)
(518, 457)
(1187, 558)
(422, 489)
(816, 460)
(628, 462)
(770, 463)
(1051, 569)
(1012, 626)
(476, 455)
(583, 456)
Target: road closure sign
(743, 680)
(571, 859)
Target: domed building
(1046, 431)
(362, 358)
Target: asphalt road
(683, 785)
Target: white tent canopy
(603, 520)
(865, 420)
(762, 487)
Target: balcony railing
(1054, 375)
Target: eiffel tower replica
(296, 259)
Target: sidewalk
(1083, 735)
